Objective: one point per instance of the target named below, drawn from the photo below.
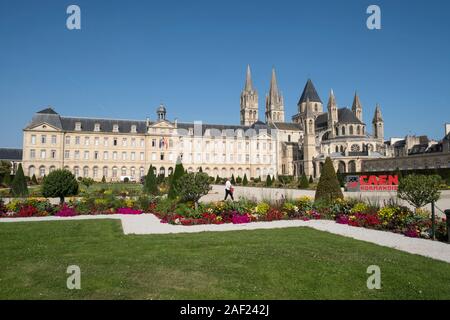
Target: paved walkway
(149, 224)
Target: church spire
(249, 101)
(357, 107)
(274, 101)
(378, 124)
(332, 113)
(248, 80)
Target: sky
(130, 56)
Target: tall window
(53, 154)
(53, 139)
(32, 154)
(43, 139)
(33, 139)
(67, 140)
(43, 154)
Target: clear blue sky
(131, 55)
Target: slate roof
(67, 124)
(309, 92)
(11, 154)
(345, 115)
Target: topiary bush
(60, 183)
(150, 186)
(192, 186)
(303, 183)
(178, 173)
(328, 187)
(19, 186)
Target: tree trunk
(61, 200)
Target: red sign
(378, 183)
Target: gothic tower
(332, 114)
(274, 102)
(378, 124)
(249, 102)
(309, 93)
(357, 107)
(309, 138)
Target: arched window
(105, 172)
(343, 131)
(337, 131)
(85, 172)
(337, 148)
(141, 172)
(76, 172)
(42, 171)
(52, 168)
(358, 130)
(351, 130)
(124, 171)
(310, 126)
(170, 171)
(31, 171)
(114, 172)
(162, 171)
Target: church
(115, 148)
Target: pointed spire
(331, 100)
(377, 117)
(356, 102)
(309, 92)
(248, 80)
(273, 91)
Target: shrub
(419, 190)
(233, 181)
(19, 186)
(34, 180)
(328, 187)
(87, 182)
(192, 186)
(238, 180)
(303, 184)
(60, 183)
(178, 173)
(245, 180)
(103, 179)
(262, 208)
(268, 181)
(150, 186)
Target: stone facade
(114, 148)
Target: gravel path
(149, 224)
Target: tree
(200, 169)
(19, 186)
(7, 180)
(192, 186)
(238, 180)
(311, 180)
(60, 183)
(103, 179)
(150, 185)
(419, 190)
(304, 183)
(245, 180)
(328, 187)
(268, 181)
(218, 180)
(34, 180)
(87, 182)
(233, 181)
(177, 174)
(5, 170)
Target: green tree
(268, 181)
(60, 183)
(150, 185)
(328, 187)
(233, 181)
(218, 181)
(238, 180)
(7, 180)
(419, 190)
(87, 182)
(34, 180)
(200, 169)
(19, 186)
(311, 180)
(245, 180)
(303, 183)
(192, 186)
(177, 174)
(5, 170)
(103, 179)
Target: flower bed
(391, 217)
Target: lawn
(294, 263)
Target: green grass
(293, 263)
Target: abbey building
(115, 148)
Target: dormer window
(191, 131)
(97, 127)
(116, 128)
(77, 126)
(133, 129)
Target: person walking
(228, 190)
